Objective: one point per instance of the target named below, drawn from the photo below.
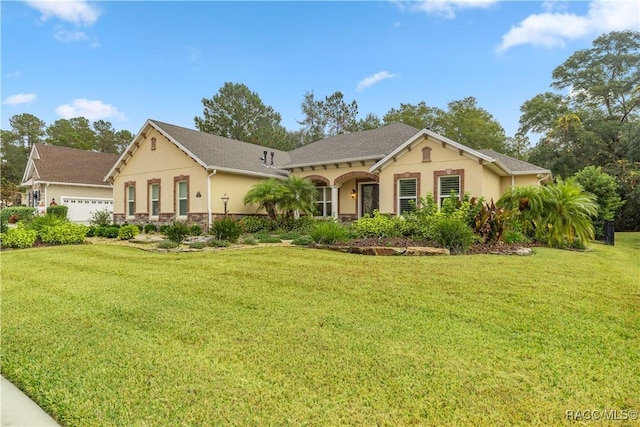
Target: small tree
(605, 188)
(266, 194)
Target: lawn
(107, 335)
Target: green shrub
(48, 220)
(110, 232)
(215, 243)
(302, 225)
(226, 229)
(63, 234)
(198, 245)
(18, 237)
(167, 244)
(101, 218)
(328, 232)
(177, 231)
(249, 241)
(128, 232)
(378, 225)
(150, 228)
(195, 230)
(514, 236)
(290, 235)
(261, 235)
(453, 234)
(490, 222)
(254, 224)
(303, 241)
(58, 210)
(24, 213)
(163, 228)
(91, 231)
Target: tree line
(591, 119)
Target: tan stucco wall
(491, 185)
(164, 163)
(235, 187)
(518, 180)
(442, 158)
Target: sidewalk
(18, 410)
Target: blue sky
(129, 61)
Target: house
(71, 177)
(171, 173)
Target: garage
(81, 208)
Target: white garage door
(81, 208)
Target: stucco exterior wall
(518, 181)
(163, 166)
(442, 159)
(235, 187)
(491, 186)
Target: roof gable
(64, 165)
(211, 151)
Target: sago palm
(300, 195)
(526, 204)
(567, 212)
(266, 194)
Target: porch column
(334, 200)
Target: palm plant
(266, 194)
(525, 203)
(567, 212)
(300, 195)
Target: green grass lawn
(107, 335)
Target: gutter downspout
(209, 221)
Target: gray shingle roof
(514, 165)
(366, 144)
(224, 153)
(72, 166)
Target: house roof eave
(332, 162)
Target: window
(154, 197)
(323, 204)
(183, 198)
(407, 191)
(448, 185)
(131, 200)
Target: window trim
(396, 189)
(176, 196)
(150, 184)
(447, 172)
(324, 190)
(130, 205)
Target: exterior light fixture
(198, 194)
(225, 200)
(354, 193)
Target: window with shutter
(407, 191)
(449, 185)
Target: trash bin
(609, 233)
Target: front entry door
(369, 198)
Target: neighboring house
(172, 173)
(71, 177)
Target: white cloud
(194, 54)
(445, 8)
(551, 29)
(78, 12)
(65, 36)
(371, 80)
(21, 98)
(91, 109)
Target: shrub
(195, 230)
(58, 210)
(18, 237)
(64, 233)
(261, 235)
(605, 188)
(24, 213)
(303, 241)
(269, 239)
(226, 229)
(163, 228)
(198, 245)
(453, 234)
(110, 232)
(302, 225)
(254, 224)
(249, 241)
(177, 231)
(101, 218)
(215, 243)
(128, 232)
(289, 235)
(489, 223)
(150, 228)
(91, 231)
(48, 220)
(514, 234)
(328, 232)
(378, 225)
(167, 244)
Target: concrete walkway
(18, 410)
